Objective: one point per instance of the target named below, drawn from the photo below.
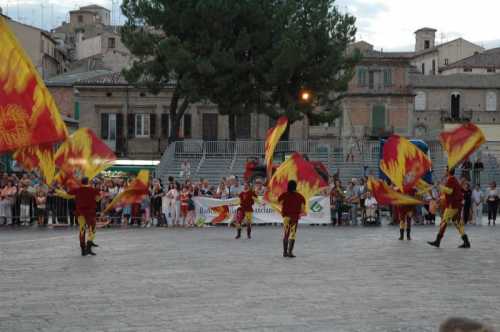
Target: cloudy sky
(387, 24)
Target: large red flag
(85, 152)
(272, 138)
(385, 195)
(38, 157)
(403, 162)
(461, 142)
(28, 113)
(222, 214)
(134, 193)
(309, 183)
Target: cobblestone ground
(344, 279)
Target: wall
(64, 98)
(30, 39)
(88, 18)
(88, 47)
(457, 50)
(482, 71)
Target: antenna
(41, 15)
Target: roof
(426, 29)
(487, 59)
(94, 7)
(110, 78)
(456, 81)
(435, 48)
(70, 79)
(388, 55)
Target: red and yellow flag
(461, 142)
(68, 180)
(28, 113)
(37, 157)
(403, 162)
(85, 152)
(272, 138)
(222, 213)
(309, 183)
(134, 193)
(385, 195)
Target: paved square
(343, 279)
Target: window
(427, 44)
(108, 126)
(491, 70)
(446, 62)
(371, 79)
(187, 125)
(387, 77)
(243, 126)
(491, 101)
(142, 125)
(111, 43)
(362, 79)
(467, 70)
(423, 68)
(433, 67)
(80, 18)
(420, 101)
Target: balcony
(463, 116)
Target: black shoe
(238, 234)
(84, 252)
(466, 243)
(249, 232)
(89, 250)
(92, 244)
(408, 237)
(401, 234)
(291, 244)
(285, 248)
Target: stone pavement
(343, 279)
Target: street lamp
(305, 96)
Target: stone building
(39, 45)
(379, 100)
(487, 63)
(430, 58)
(136, 124)
(443, 100)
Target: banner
(319, 210)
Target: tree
(280, 50)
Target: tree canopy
(244, 56)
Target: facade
(443, 100)
(379, 100)
(89, 15)
(487, 63)
(42, 49)
(136, 124)
(430, 59)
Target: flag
(272, 138)
(134, 193)
(222, 213)
(37, 157)
(403, 162)
(309, 183)
(85, 152)
(385, 195)
(68, 180)
(461, 142)
(28, 113)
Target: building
(444, 100)
(42, 49)
(89, 15)
(430, 58)
(379, 100)
(487, 62)
(136, 124)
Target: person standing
(467, 192)
(466, 168)
(452, 206)
(7, 196)
(86, 198)
(247, 199)
(477, 205)
(292, 207)
(41, 204)
(476, 172)
(492, 198)
(336, 201)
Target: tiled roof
(487, 59)
(70, 79)
(456, 81)
(389, 55)
(111, 78)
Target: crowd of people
(25, 200)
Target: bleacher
(214, 160)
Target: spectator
(222, 191)
(466, 168)
(184, 200)
(353, 200)
(467, 192)
(370, 205)
(156, 193)
(233, 188)
(259, 187)
(25, 199)
(336, 203)
(41, 205)
(173, 205)
(478, 168)
(477, 205)
(191, 212)
(7, 196)
(492, 198)
(185, 170)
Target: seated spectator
(370, 205)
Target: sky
(386, 24)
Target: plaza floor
(343, 279)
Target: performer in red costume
(247, 199)
(86, 198)
(292, 207)
(452, 207)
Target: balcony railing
(463, 117)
